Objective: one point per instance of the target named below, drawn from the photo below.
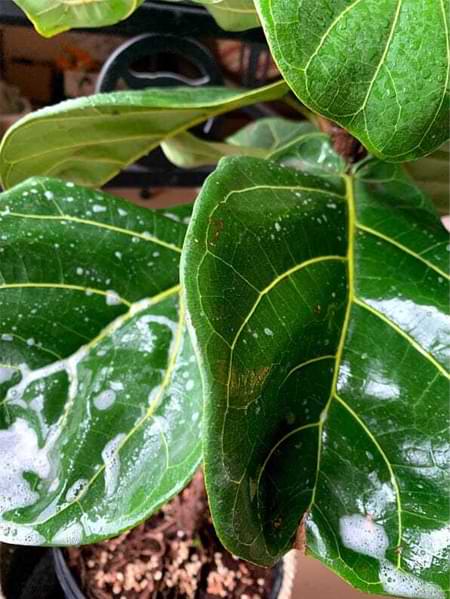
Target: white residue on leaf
(381, 498)
(6, 374)
(430, 546)
(111, 460)
(74, 491)
(105, 399)
(71, 534)
(19, 449)
(154, 395)
(381, 387)
(147, 335)
(268, 332)
(20, 453)
(116, 385)
(98, 208)
(361, 534)
(112, 298)
(24, 535)
(172, 216)
(399, 583)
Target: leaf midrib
(61, 218)
(67, 287)
(212, 110)
(351, 228)
(153, 406)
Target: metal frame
(174, 27)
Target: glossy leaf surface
(319, 308)
(54, 16)
(100, 396)
(379, 68)
(89, 140)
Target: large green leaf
(54, 16)
(89, 140)
(319, 309)
(380, 68)
(100, 396)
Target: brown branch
(345, 144)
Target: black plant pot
(28, 573)
(66, 579)
(72, 590)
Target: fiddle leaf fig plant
(290, 332)
(305, 293)
(379, 68)
(100, 393)
(113, 130)
(55, 16)
(51, 17)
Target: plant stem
(292, 102)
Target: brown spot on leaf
(300, 537)
(215, 230)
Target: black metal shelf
(153, 16)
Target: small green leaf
(271, 133)
(89, 140)
(432, 174)
(100, 395)
(319, 309)
(233, 15)
(187, 151)
(54, 16)
(379, 68)
(296, 144)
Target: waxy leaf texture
(100, 394)
(379, 68)
(320, 315)
(89, 140)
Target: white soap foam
(105, 399)
(400, 584)
(112, 464)
(363, 535)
